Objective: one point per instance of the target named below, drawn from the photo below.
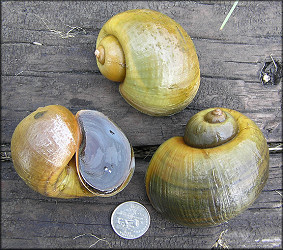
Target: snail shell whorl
(111, 59)
(210, 128)
(201, 187)
(42, 148)
(162, 69)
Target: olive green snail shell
(154, 59)
(212, 174)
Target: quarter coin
(130, 220)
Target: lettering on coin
(130, 220)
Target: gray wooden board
(47, 58)
(32, 220)
(63, 69)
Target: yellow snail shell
(61, 155)
(154, 59)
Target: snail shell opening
(162, 73)
(105, 159)
(60, 155)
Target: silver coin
(130, 220)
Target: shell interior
(105, 160)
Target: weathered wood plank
(222, 60)
(36, 221)
(80, 93)
(199, 19)
(63, 70)
(47, 58)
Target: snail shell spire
(111, 59)
(210, 128)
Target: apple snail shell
(212, 174)
(61, 155)
(154, 59)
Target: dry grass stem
(36, 43)
(92, 235)
(278, 192)
(5, 156)
(62, 34)
(229, 14)
(276, 148)
(220, 242)
(19, 73)
(275, 65)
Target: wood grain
(34, 220)
(47, 58)
(63, 70)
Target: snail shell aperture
(212, 174)
(154, 59)
(61, 155)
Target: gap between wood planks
(141, 152)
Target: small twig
(92, 235)
(220, 243)
(61, 33)
(5, 156)
(36, 43)
(147, 155)
(276, 148)
(278, 192)
(273, 62)
(98, 241)
(229, 14)
(19, 73)
(75, 28)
